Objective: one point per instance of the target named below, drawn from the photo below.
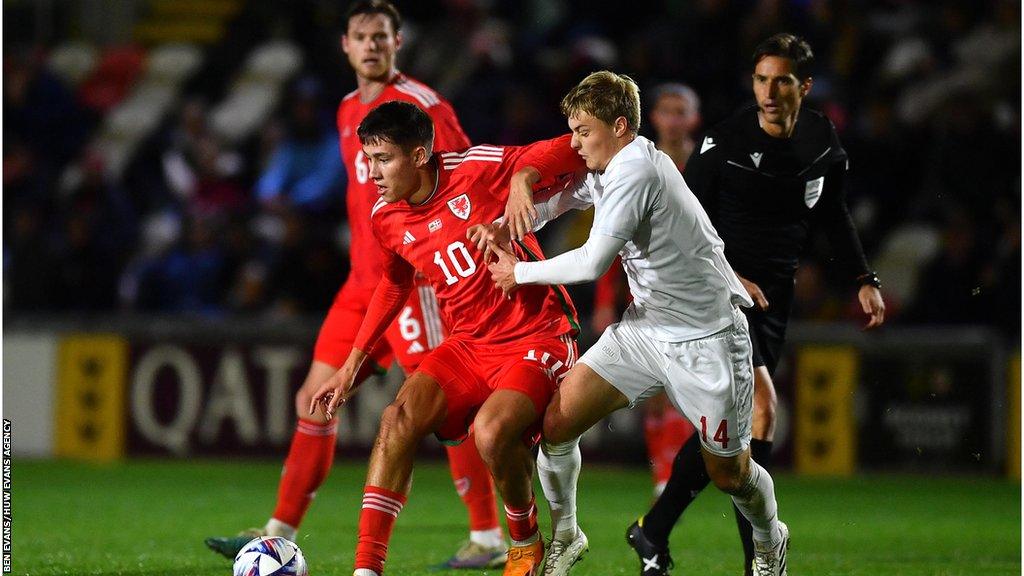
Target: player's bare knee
(302, 399)
(486, 442)
(493, 436)
(727, 474)
(396, 424)
(730, 484)
(555, 429)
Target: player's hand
(520, 213)
(335, 390)
(755, 293)
(481, 234)
(503, 270)
(873, 305)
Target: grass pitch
(150, 518)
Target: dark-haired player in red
(503, 357)
(371, 41)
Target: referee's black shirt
(764, 194)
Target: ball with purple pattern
(270, 556)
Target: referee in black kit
(766, 175)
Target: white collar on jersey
(631, 151)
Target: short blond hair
(606, 96)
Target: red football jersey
(365, 253)
(472, 189)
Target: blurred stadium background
(173, 222)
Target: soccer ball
(270, 556)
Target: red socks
(665, 435)
(473, 483)
(522, 523)
(309, 460)
(376, 519)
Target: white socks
(492, 538)
(558, 466)
(756, 500)
(364, 572)
(275, 527)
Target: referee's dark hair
(400, 123)
(791, 47)
(371, 7)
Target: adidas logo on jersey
(415, 348)
(408, 238)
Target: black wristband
(869, 279)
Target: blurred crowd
(925, 96)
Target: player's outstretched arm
(387, 301)
(584, 264)
(541, 165)
(524, 213)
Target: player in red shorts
(504, 356)
(371, 41)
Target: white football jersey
(683, 288)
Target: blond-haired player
(683, 333)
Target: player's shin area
(499, 427)
(417, 411)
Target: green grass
(149, 518)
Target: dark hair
(370, 7)
(791, 47)
(400, 123)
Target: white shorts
(709, 380)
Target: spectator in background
(675, 115)
(190, 278)
(98, 230)
(39, 110)
(216, 188)
(303, 274)
(952, 281)
(811, 298)
(198, 170)
(304, 172)
(29, 261)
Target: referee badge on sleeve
(812, 191)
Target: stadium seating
(257, 90)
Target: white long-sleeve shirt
(682, 286)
